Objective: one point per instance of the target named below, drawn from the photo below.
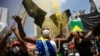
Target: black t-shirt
(84, 47)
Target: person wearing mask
(3, 43)
(72, 51)
(18, 47)
(45, 45)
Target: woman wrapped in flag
(45, 46)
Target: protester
(82, 44)
(44, 39)
(71, 50)
(45, 32)
(18, 47)
(3, 43)
(98, 46)
(96, 33)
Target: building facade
(3, 21)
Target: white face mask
(46, 33)
(16, 49)
(77, 54)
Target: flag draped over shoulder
(90, 20)
(34, 11)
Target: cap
(16, 43)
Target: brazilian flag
(76, 25)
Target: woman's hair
(96, 29)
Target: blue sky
(14, 5)
(75, 5)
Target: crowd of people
(82, 46)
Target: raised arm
(88, 34)
(21, 31)
(64, 40)
(23, 46)
(73, 34)
(69, 38)
(3, 42)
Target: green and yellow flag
(76, 25)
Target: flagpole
(24, 15)
(19, 10)
(60, 25)
(17, 13)
(23, 18)
(61, 33)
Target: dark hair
(96, 29)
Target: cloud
(63, 1)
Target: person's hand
(9, 32)
(75, 34)
(17, 18)
(13, 28)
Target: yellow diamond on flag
(77, 28)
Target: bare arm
(3, 42)
(21, 31)
(64, 40)
(23, 46)
(72, 35)
(23, 35)
(88, 34)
